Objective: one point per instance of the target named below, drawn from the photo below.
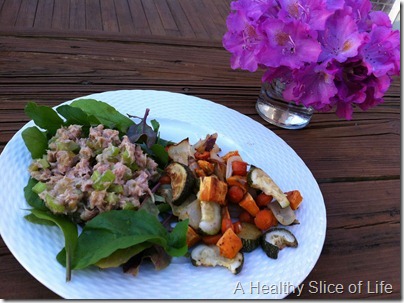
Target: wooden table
(356, 163)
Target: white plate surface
(180, 116)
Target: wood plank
(124, 17)
(44, 13)
(9, 12)
(193, 19)
(77, 15)
(93, 15)
(60, 19)
(109, 17)
(166, 17)
(218, 20)
(181, 19)
(209, 16)
(365, 239)
(140, 24)
(153, 18)
(26, 14)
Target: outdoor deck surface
(201, 19)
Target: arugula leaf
(35, 141)
(120, 229)
(69, 230)
(105, 113)
(44, 116)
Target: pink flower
(289, 44)
(341, 39)
(329, 54)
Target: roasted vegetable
(248, 203)
(180, 152)
(295, 199)
(250, 236)
(190, 211)
(211, 218)
(211, 189)
(209, 255)
(259, 179)
(229, 244)
(285, 216)
(182, 181)
(277, 239)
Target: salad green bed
(111, 238)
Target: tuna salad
(82, 176)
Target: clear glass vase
(274, 109)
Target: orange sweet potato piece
(213, 190)
(229, 244)
(248, 203)
(295, 199)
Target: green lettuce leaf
(44, 117)
(120, 229)
(105, 113)
(35, 141)
(70, 233)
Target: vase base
(282, 114)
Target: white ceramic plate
(180, 116)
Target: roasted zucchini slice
(209, 255)
(259, 179)
(250, 236)
(277, 239)
(211, 218)
(182, 181)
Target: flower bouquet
(327, 53)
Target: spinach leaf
(69, 230)
(122, 256)
(120, 229)
(35, 141)
(105, 113)
(31, 197)
(34, 219)
(160, 154)
(75, 115)
(44, 116)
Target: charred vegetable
(250, 236)
(182, 181)
(259, 179)
(209, 255)
(276, 239)
(211, 218)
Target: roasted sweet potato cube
(213, 190)
(229, 244)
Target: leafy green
(35, 141)
(34, 219)
(75, 115)
(44, 116)
(142, 132)
(160, 154)
(120, 229)
(69, 230)
(105, 113)
(122, 256)
(31, 197)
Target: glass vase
(272, 107)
